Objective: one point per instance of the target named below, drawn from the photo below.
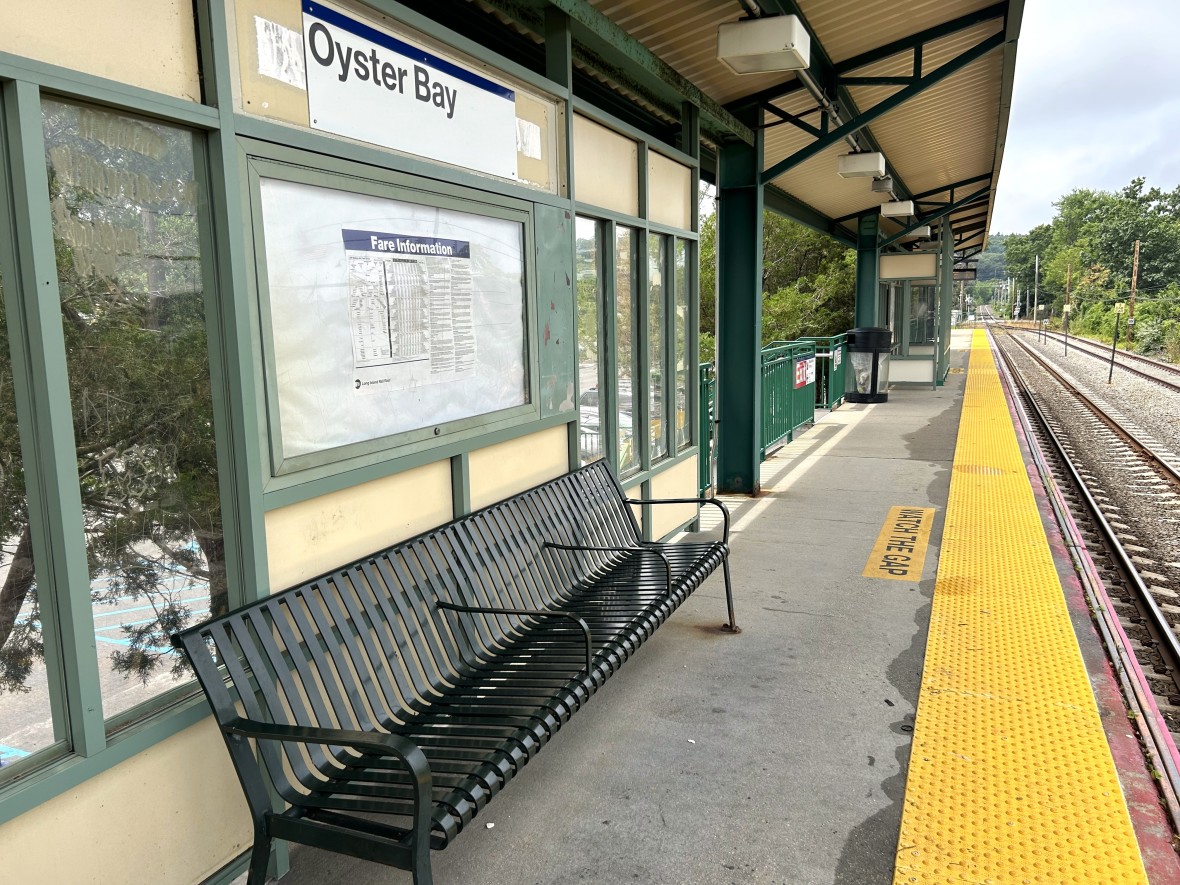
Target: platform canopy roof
(926, 82)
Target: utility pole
(1131, 308)
(1036, 293)
(1068, 275)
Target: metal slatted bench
(387, 702)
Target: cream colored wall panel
(171, 815)
(147, 43)
(536, 164)
(502, 470)
(309, 538)
(911, 371)
(606, 167)
(675, 482)
(271, 25)
(669, 191)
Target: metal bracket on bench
(593, 549)
(531, 612)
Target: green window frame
(85, 740)
(675, 435)
(660, 408)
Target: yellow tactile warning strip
(1011, 779)
(900, 550)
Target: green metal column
(946, 297)
(867, 285)
(739, 316)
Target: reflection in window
(923, 312)
(657, 253)
(124, 206)
(680, 348)
(590, 438)
(624, 336)
(26, 720)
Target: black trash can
(868, 353)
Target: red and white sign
(804, 372)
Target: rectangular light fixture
(866, 165)
(883, 185)
(907, 266)
(920, 233)
(761, 45)
(898, 209)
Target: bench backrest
(352, 648)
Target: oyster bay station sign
(368, 84)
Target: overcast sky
(1096, 103)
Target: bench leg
(259, 860)
(732, 626)
(422, 874)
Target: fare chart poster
(387, 316)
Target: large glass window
(26, 718)
(680, 351)
(125, 224)
(657, 402)
(626, 339)
(591, 404)
(923, 312)
(625, 378)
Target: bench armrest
(579, 548)
(719, 504)
(376, 743)
(532, 612)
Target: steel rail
(1154, 458)
(1095, 349)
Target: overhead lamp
(898, 209)
(920, 233)
(883, 185)
(762, 45)
(870, 164)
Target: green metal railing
(831, 364)
(792, 371)
(788, 391)
(707, 373)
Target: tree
(1090, 242)
(808, 282)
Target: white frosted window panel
(669, 188)
(606, 167)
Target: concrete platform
(775, 756)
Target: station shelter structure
(285, 281)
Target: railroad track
(1117, 511)
(1164, 374)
